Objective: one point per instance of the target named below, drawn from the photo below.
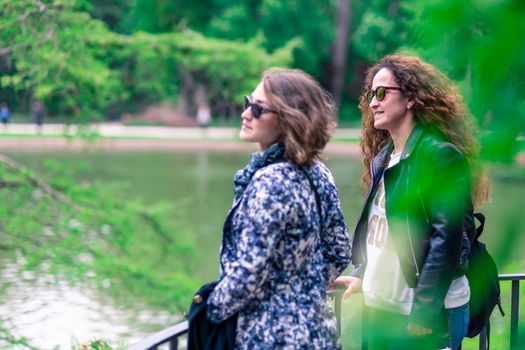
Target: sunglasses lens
(369, 96)
(380, 93)
(256, 111)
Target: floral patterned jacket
(277, 263)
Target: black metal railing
(170, 336)
(515, 278)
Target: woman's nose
(374, 102)
(246, 114)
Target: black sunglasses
(379, 93)
(257, 109)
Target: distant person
(410, 243)
(37, 114)
(285, 239)
(5, 114)
(203, 115)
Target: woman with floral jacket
(285, 239)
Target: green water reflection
(198, 183)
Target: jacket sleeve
(359, 271)
(335, 240)
(264, 209)
(445, 193)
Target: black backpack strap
(481, 219)
(317, 198)
(500, 307)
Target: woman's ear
(410, 103)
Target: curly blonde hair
(306, 113)
(437, 102)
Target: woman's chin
(244, 136)
(379, 125)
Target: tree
(58, 55)
(382, 29)
(112, 12)
(340, 49)
(165, 16)
(162, 65)
(80, 68)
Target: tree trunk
(340, 49)
(393, 8)
(186, 104)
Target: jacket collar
(380, 160)
(412, 141)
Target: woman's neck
(400, 135)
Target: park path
(115, 136)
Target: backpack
(482, 275)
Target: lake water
(55, 314)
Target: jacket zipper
(408, 227)
(362, 246)
(372, 182)
(423, 206)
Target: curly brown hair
(437, 102)
(307, 114)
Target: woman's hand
(352, 284)
(417, 330)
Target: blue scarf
(273, 154)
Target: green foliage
(57, 54)
(8, 341)
(312, 22)
(111, 12)
(61, 52)
(270, 25)
(209, 57)
(87, 232)
(80, 68)
(227, 69)
(161, 16)
(481, 45)
(237, 20)
(93, 344)
(382, 29)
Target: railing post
(174, 344)
(483, 339)
(514, 314)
